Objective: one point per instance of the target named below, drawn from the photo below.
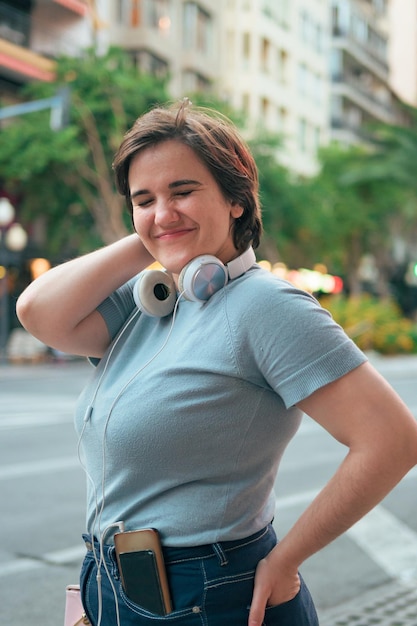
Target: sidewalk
(394, 604)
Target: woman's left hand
(274, 584)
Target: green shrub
(373, 324)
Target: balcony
(366, 54)
(29, 41)
(371, 97)
(22, 65)
(76, 6)
(18, 63)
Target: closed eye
(142, 203)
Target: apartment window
(246, 47)
(148, 63)
(380, 5)
(302, 79)
(316, 139)
(265, 110)
(282, 12)
(157, 14)
(265, 55)
(359, 29)
(151, 13)
(282, 66)
(316, 87)
(193, 82)
(246, 104)
(319, 39)
(129, 12)
(230, 49)
(336, 65)
(197, 28)
(302, 135)
(305, 27)
(282, 120)
(311, 31)
(268, 8)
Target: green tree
(351, 216)
(64, 179)
(283, 199)
(392, 161)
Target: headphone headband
(241, 264)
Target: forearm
(359, 484)
(62, 299)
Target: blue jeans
(210, 585)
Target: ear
(236, 210)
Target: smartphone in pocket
(142, 569)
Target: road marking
(384, 538)
(388, 542)
(23, 420)
(17, 470)
(59, 557)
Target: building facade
(361, 92)
(403, 49)
(309, 70)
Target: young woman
(203, 373)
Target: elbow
(22, 308)
(25, 311)
(408, 451)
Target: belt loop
(220, 554)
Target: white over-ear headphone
(155, 293)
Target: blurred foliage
(350, 218)
(374, 324)
(64, 177)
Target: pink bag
(74, 611)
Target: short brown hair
(216, 142)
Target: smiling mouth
(174, 233)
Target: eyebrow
(173, 185)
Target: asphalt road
(42, 499)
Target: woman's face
(179, 211)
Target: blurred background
(325, 91)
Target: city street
(42, 501)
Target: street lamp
(14, 238)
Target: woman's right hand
(59, 307)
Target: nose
(165, 214)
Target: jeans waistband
(218, 549)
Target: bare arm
(59, 308)
(363, 412)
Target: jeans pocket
(299, 611)
(186, 585)
(228, 597)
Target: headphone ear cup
(154, 293)
(202, 277)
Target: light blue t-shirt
(190, 417)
